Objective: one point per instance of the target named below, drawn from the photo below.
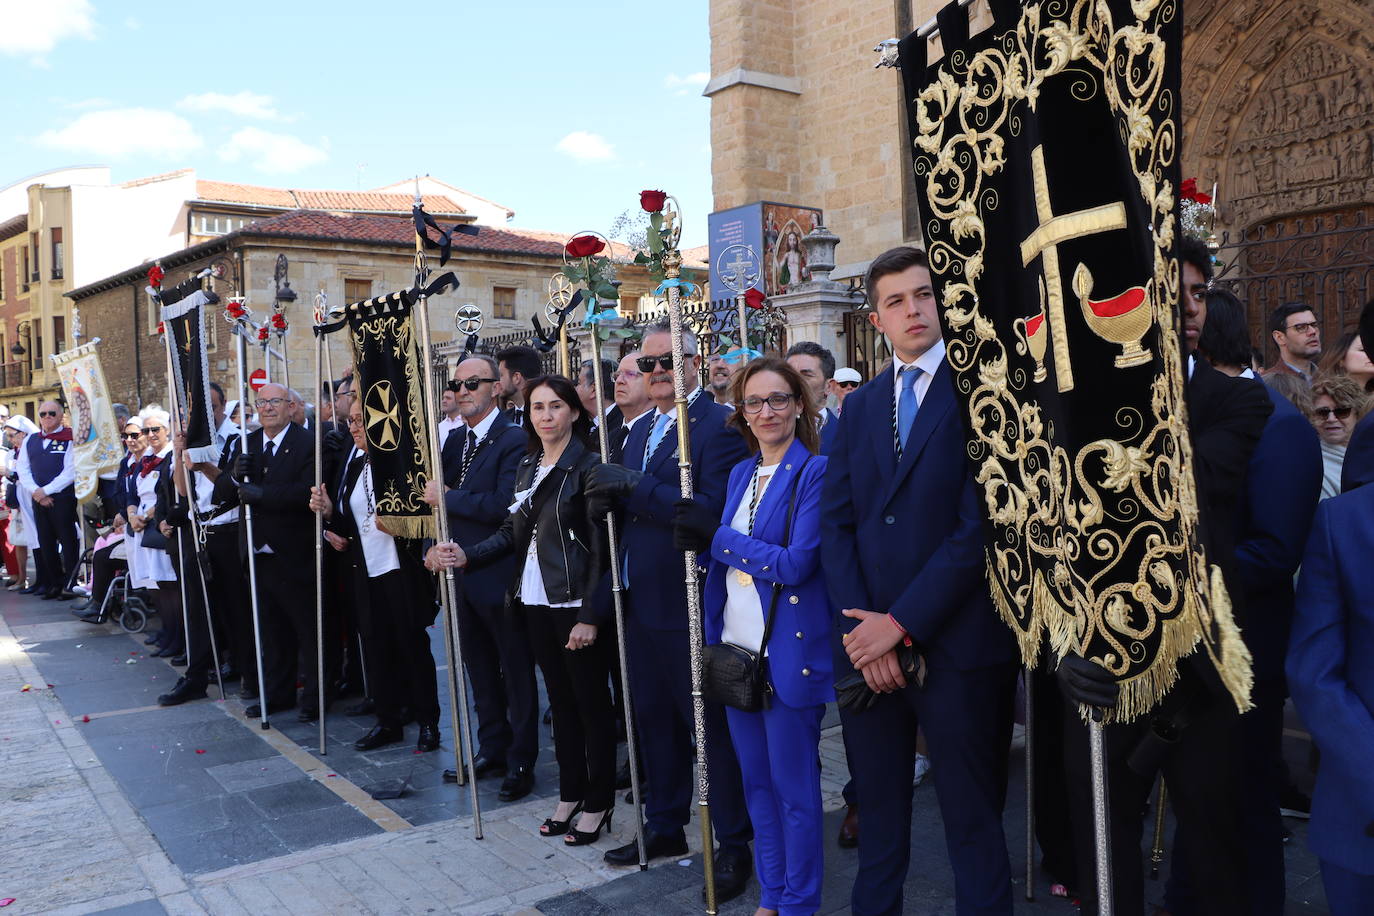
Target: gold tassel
(407, 526)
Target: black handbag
(736, 676)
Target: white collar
(484, 425)
(928, 362)
(275, 440)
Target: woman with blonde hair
(1338, 403)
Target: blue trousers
(661, 695)
(784, 798)
(966, 717)
(1347, 893)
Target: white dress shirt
(65, 477)
(928, 362)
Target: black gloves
(1087, 683)
(336, 440)
(243, 467)
(250, 494)
(694, 526)
(609, 486)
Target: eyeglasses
(270, 402)
(471, 384)
(628, 375)
(354, 421)
(1304, 327)
(646, 363)
(848, 385)
(153, 429)
(776, 401)
(48, 413)
(127, 436)
(1323, 412)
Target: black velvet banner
(183, 319)
(1045, 152)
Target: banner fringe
(407, 526)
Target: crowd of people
(837, 528)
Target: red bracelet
(906, 637)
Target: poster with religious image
(95, 434)
(783, 229)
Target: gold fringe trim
(1236, 665)
(407, 526)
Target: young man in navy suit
(481, 457)
(646, 485)
(904, 562)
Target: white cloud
(123, 131)
(585, 146)
(88, 104)
(244, 104)
(33, 29)
(269, 152)
(686, 84)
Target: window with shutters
(356, 290)
(503, 302)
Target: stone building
(504, 272)
(1278, 111)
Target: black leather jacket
(571, 546)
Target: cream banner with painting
(95, 435)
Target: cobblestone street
(113, 804)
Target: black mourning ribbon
(545, 342)
(424, 222)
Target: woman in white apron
(23, 531)
(150, 567)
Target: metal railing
(15, 375)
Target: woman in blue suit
(776, 746)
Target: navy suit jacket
(1331, 675)
(477, 508)
(828, 431)
(1358, 468)
(799, 653)
(655, 565)
(1283, 484)
(908, 539)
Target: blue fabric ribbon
(686, 288)
(740, 355)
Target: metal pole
(241, 356)
(617, 600)
(1030, 783)
(1101, 817)
(175, 415)
(448, 593)
(672, 263)
(743, 323)
(563, 348)
(319, 534)
(1157, 848)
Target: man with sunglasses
(645, 485)
(845, 383)
(1297, 334)
(481, 457)
(46, 471)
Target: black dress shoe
(380, 736)
(178, 660)
(151, 638)
(255, 711)
(183, 692)
(517, 785)
(733, 868)
(428, 740)
(229, 673)
(450, 775)
(485, 766)
(32, 590)
(248, 690)
(52, 594)
(656, 845)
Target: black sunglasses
(48, 413)
(1324, 412)
(471, 384)
(848, 384)
(153, 429)
(130, 435)
(646, 363)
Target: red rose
(161, 329)
(1202, 198)
(754, 297)
(236, 310)
(652, 201)
(584, 246)
(262, 334)
(155, 275)
(1188, 188)
(279, 321)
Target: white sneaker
(81, 590)
(922, 768)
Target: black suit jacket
(478, 507)
(282, 519)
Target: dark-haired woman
(754, 549)
(563, 558)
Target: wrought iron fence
(1324, 260)
(15, 375)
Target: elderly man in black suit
(481, 457)
(274, 478)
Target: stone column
(815, 310)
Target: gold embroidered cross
(1043, 243)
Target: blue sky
(560, 111)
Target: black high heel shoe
(577, 837)
(551, 827)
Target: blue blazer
(832, 424)
(1283, 482)
(655, 565)
(908, 539)
(477, 509)
(799, 652)
(1331, 676)
(1358, 468)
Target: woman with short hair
(150, 566)
(1338, 403)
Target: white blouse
(743, 609)
(379, 548)
(532, 591)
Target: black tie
(267, 449)
(618, 441)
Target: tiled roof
(13, 226)
(338, 201)
(313, 224)
(153, 179)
